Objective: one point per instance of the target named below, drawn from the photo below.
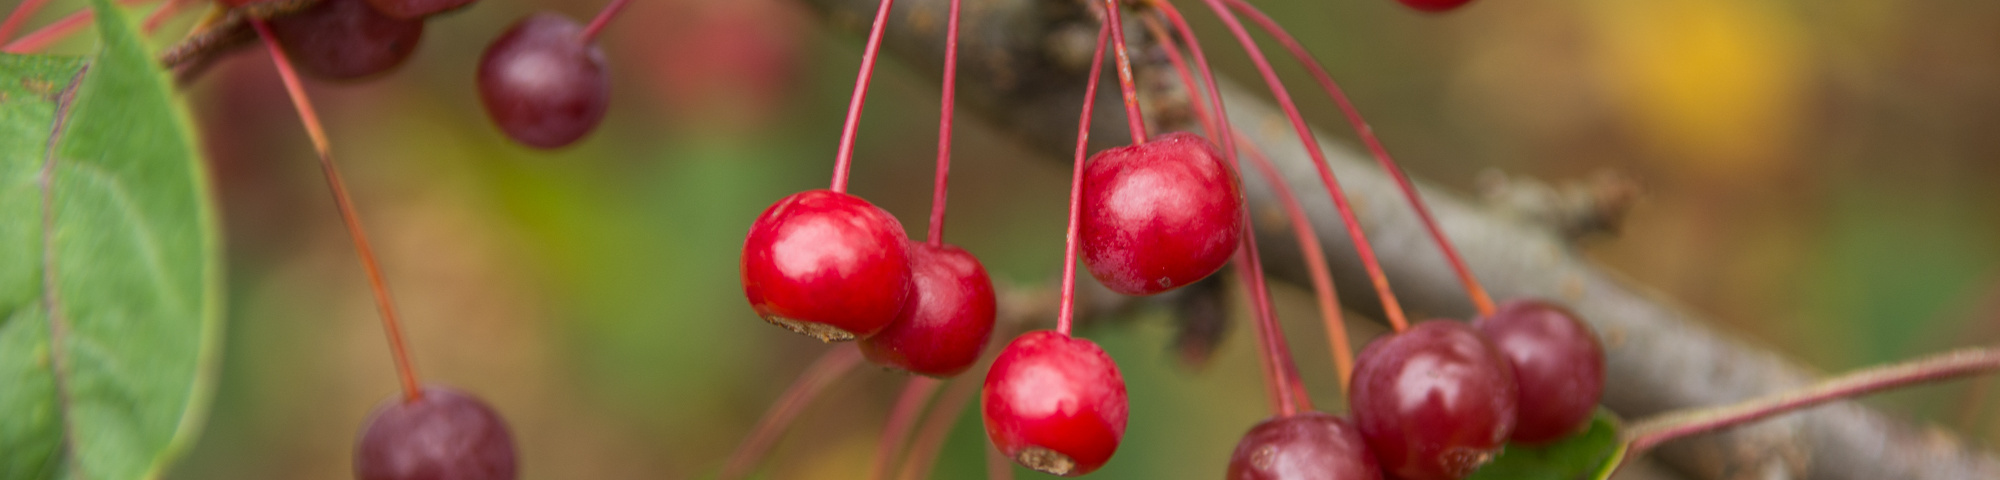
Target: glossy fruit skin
(1305, 446)
(542, 84)
(948, 319)
(1557, 362)
(1435, 401)
(1434, 5)
(1159, 215)
(445, 435)
(1054, 403)
(346, 39)
(416, 9)
(826, 264)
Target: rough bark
(1022, 63)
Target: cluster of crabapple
(1433, 402)
(543, 81)
(1439, 399)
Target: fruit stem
(36, 40)
(845, 156)
(936, 237)
(1473, 289)
(902, 417)
(1172, 49)
(1287, 392)
(937, 423)
(998, 466)
(830, 366)
(1647, 433)
(1133, 117)
(345, 204)
(20, 15)
(64, 27)
(603, 18)
(1222, 134)
(1067, 308)
(1390, 308)
(1309, 248)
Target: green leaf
(110, 276)
(1581, 456)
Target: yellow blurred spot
(1714, 87)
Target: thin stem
(20, 15)
(66, 26)
(1173, 51)
(1645, 434)
(936, 236)
(1473, 289)
(830, 366)
(902, 418)
(1287, 394)
(1309, 248)
(1223, 133)
(845, 156)
(36, 40)
(1067, 308)
(998, 466)
(1390, 307)
(398, 349)
(1133, 117)
(937, 422)
(603, 18)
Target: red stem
(1309, 247)
(830, 366)
(1287, 392)
(398, 349)
(937, 424)
(845, 156)
(1392, 309)
(1172, 49)
(20, 15)
(1648, 433)
(1067, 308)
(1133, 117)
(1473, 289)
(902, 418)
(998, 466)
(39, 39)
(603, 18)
(66, 26)
(936, 236)
(1222, 135)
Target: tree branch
(1023, 62)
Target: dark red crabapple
(416, 9)
(443, 435)
(542, 84)
(345, 39)
(1558, 364)
(1054, 403)
(1305, 446)
(826, 264)
(1434, 5)
(1435, 401)
(1159, 215)
(948, 319)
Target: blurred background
(1820, 175)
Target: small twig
(1646, 434)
